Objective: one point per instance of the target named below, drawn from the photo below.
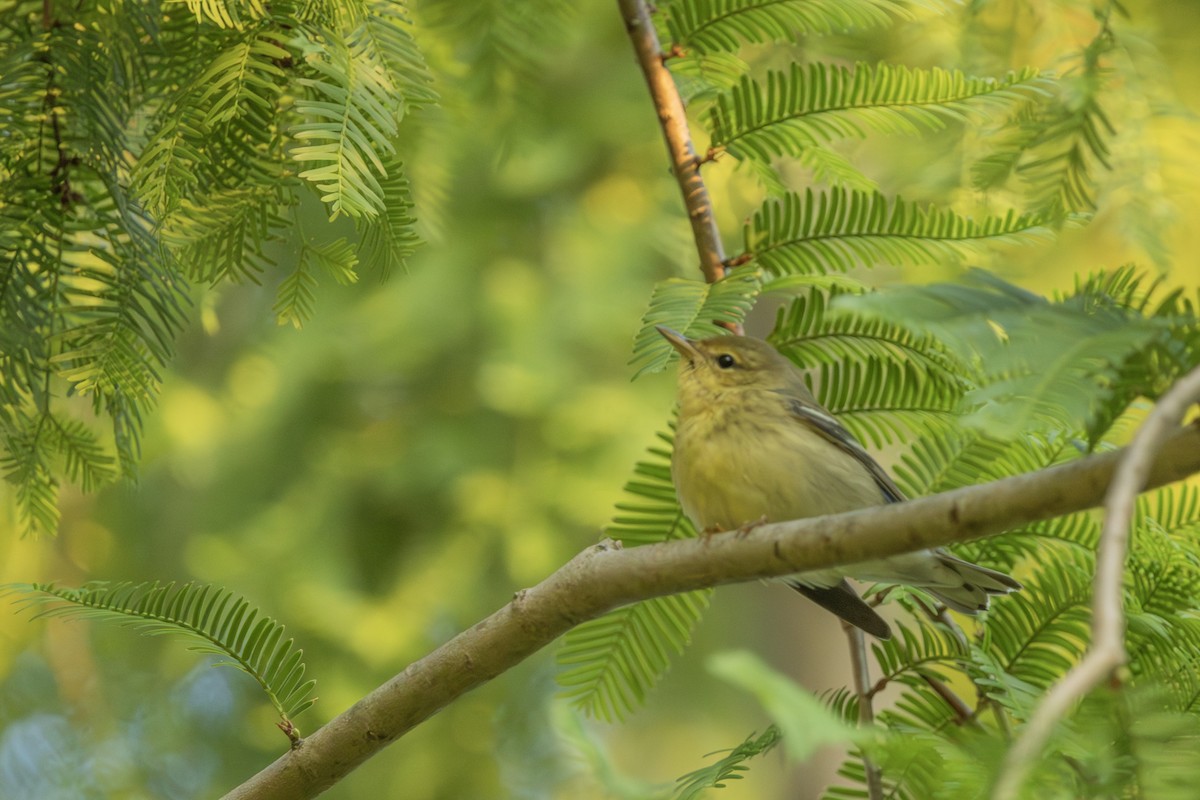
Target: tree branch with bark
(672, 118)
(606, 576)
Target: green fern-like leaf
(383, 33)
(225, 234)
(809, 333)
(818, 102)
(296, 296)
(612, 662)
(1041, 365)
(913, 762)
(244, 75)
(124, 304)
(1163, 580)
(1172, 352)
(1035, 635)
(168, 168)
(729, 767)
(833, 169)
(1171, 662)
(85, 461)
(700, 77)
(234, 14)
(215, 620)
(725, 25)
(837, 230)
(351, 119)
(693, 308)
(966, 456)
(880, 401)
(1064, 389)
(958, 457)
(1055, 147)
(26, 467)
(924, 649)
(389, 239)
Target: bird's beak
(685, 346)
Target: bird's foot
(745, 529)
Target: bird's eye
(725, 361)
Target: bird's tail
(843, 601)
(973, 586)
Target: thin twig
(866, 713)
(1107, 653)
(673, 119)
(602, 578)
(962, 712)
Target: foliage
(425, 454)
(806, 105)
(804, 723)
(1025, 644)
(837, 231)
(978, 378)
(695, 309)
(613, 661)
(1054, 148)
(144, 149)
(728, 768)
(216, 620)
(1040, 364)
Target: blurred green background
(430, 444)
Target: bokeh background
(431, 443)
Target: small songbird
(753, 444)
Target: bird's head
(711, 368)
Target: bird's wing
(824, 423)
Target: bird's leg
(745, 529)
(709, 532)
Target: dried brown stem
(672, 118)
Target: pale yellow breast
(736, 467)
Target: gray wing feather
(977, 582)
(824, 423)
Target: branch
(866, 713)
(673, 119)
(1107, 653)
(605, 576)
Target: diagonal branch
(1107, 653)
(673, 119)
(605, 576)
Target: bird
(753, 445)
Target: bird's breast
(736, 468)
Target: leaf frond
(692, 308)
(389, 239)
(351, 118)
(215, 620)
(612, 662)
(725, 25)
(881, 401)
(838, 230)
(815, 103)
(729, 767)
